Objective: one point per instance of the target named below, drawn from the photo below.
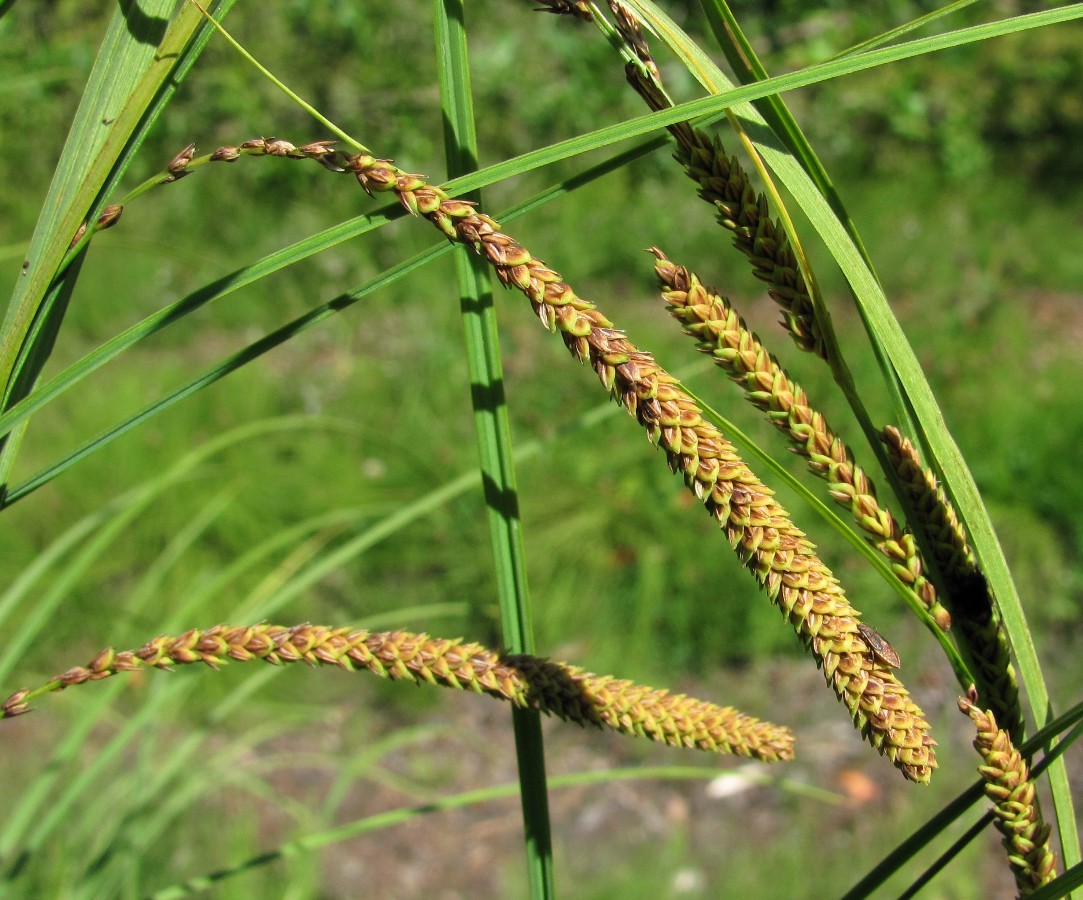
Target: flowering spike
(782, 559)
(725, 185)
(526, 681)
(948, 540)
(1009, 786)
(978, 625)
(775, 550)
(720, 331)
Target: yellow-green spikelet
(526, 681)
(720, 331)
(1008, 784)
(779, 554)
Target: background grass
(962, 172)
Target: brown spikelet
(719, 331)
(977, 624)
(783, 560)
(759, 529)
(1008, 785)
(631, 32)
(526, 681)
(741, 210)
(579, 9)
(15, 705)
(178, 164)
(725, 185)
(185, 162)
(107, 218)
(947, 539)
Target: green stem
(494, 443)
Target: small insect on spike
(880, 648)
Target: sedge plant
(910, 506)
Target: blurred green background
(963, 174)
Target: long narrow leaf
(241, 277)
(125, 92)
(919, 405)
(493, 432)
(470, 798)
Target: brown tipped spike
(589, 336)
(977, 621)
(773, 549)
(526, 681)
(1009, 786)
(719, 331)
